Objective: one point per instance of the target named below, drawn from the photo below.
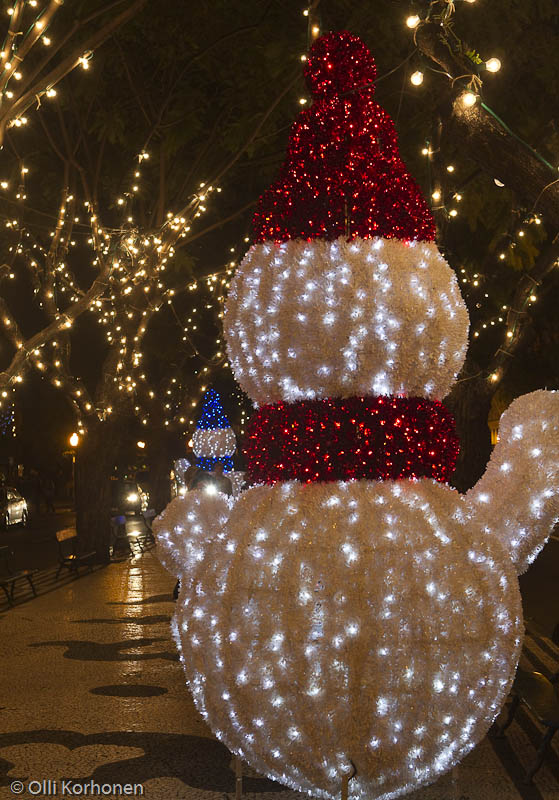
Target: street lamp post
(74, 442)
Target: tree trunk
(160, 461)
(470, 401)
(96, 456)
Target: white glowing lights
(454, 590)
(522, 497)
(214, 442)
(332, 324)
(416, 78)
(468, 99)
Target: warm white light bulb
(417, 78)
(413, 21)
(469, 98)
(493, 65)
(436, 195)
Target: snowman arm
(186, 525)
(517, 499)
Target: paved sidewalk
(91, 689)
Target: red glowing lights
(335, 439)
(343, 175)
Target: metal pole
(238, 778)
(347, 775)
(345, 788)
(74, 479)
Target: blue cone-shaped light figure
(214, 440)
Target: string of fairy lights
(127, 294)
(132, 294)
(473, 283)
(29, 24)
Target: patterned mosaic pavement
(91, 689)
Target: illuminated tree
(120, 227)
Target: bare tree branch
(70, 62)
(62, 323)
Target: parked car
(128, 497)
(13, 508)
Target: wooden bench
(9, 577)
(69, 554)
(539, 695)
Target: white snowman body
(364, 625)
(360, 625)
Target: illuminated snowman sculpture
(350, 612)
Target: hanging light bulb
(417, 78)
(493, 65)
(413, 21)
(469, 98)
